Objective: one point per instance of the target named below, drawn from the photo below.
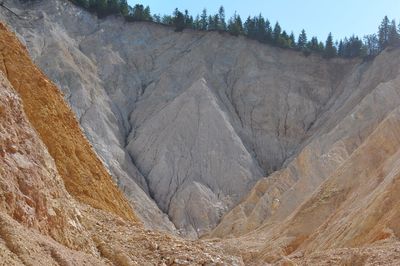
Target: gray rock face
(191, 120)
(192, 143)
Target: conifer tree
(178, 20)
(372, 44)
(261, 32)
(292, 40)
(221, 15)
(302, 41)
(277, 34)
(313, 45)
(250, 28)
(124, 7)
(383, 33)
(330, 49)
(235, 26)
(203, 20)
(341, 49)
(101, 8)
(393, 37)
(268, 31)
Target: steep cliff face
(372, 94)
(125, 82)
(77, 164)
(40, 222)
(339, 196)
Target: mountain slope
(346, 128)
(116, 76)
(40, 222)
(352, 212)
(77, 164)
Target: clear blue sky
(318, 17)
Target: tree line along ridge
(257, 28)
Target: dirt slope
(125, 81)
(83, 173)
(352, 218)
(40, 222)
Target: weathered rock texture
(56, 125)
(371, 93)
(351, 172)
(193, 120)
(161, 107)
(40, 222)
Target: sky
(318, 17)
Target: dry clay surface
(41, 223)
(353, 216)
(180, 118)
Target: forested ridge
(257, 28)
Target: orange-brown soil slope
(83, 173)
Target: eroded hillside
(40, 222)
(126, 82)
(293, 159)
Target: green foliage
(203, 23)
(314, 46)
(178, 20)
(302, 41)
(330, 49)
(221, 15)
(352, 47)
(235, 26)
(383, 33)
(371, 44)
(257, 28)
(139, 13)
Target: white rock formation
(179, 116)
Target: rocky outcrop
(196, 189)
(119, 76)
(353, 209)
(40, 222)
(371, 93)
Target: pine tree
(285, 41)
(101, 8)
(235, 26)
(372, 44)
(268, 31)
(313, 45)
(302, 41)
(341, 49)
(292, 40)
(196, 23)
(167, 20)
(112, 7)
(383, 33)
(203, 20)
(221, 15)
(211, 23)
(250, 28)
(157, 18)
(330, 49)
(124, 7)
(188, 20)
(147, 14)
(393, 37)
(277, 34)
(178, 20)
(261, 32)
